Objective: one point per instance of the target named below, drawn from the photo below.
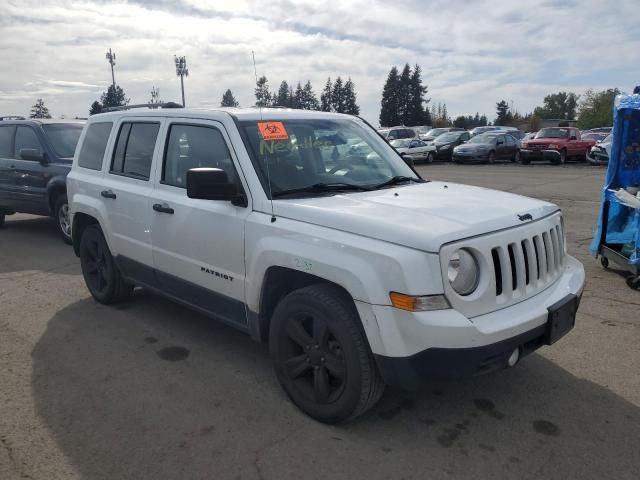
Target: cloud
(473, 54)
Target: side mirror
(572, 137)
(499, 142)
(213, 184)
(32, 154)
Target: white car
(599, 154)
(414, 149)
(357, 274)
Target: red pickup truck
(555, 144)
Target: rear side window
(6, 141)
(194, 146)
(134, 149)
(26, 137)
(94, 145)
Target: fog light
(513, 359)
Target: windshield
(448, 137)
(483, 138)
(436, 132)
(63, 137)
(402, 143)
(553, 133)
(300, 153)
(607, 139)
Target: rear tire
(99, 269)
(321, 356)
(61, 216)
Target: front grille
(528, 264)
(516, 264)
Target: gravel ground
(151, 390)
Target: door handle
(163, 208)
(108, 194)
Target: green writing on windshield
(283, 146)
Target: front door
(198, 245)
(7, 167)
(30, 176)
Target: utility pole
(111, 58)
(181, 71)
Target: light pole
(155, 97)
(111, 58)
(181, 71)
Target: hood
(545, 141)
(422, 216)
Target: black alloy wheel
(101, 274)
(321, 356)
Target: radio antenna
(266, 161)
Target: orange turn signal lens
(413, 303)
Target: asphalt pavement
(152, 390)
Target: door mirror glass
(32, 154)
(212, 184)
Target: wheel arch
(56, 187)
(80, 222)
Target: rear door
(30, 176)
(198, 245)
(7, 166)
(127, 192)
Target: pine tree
(404, 94)
(338, 96)
(350, 105)
(263, 97)
(298, 97)
(39, 110)
(325, 97)
(445, 115)
(96, 107)
(282, 98)
(502, 111)
(416, 113)
(228, 100)
(389, 102)
(310, 100)
(113, 97)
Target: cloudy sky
(473, 53)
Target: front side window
(26, 137)
(194, 146)
(316, 153)
(133, 154)
(6, 141)
(94, 145)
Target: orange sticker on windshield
(273, 131)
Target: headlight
(554, 145)
(463, 272)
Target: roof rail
(142, 105)
(12, 117)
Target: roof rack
(142, 105)
(12, 117)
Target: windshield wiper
(323, 188)
(395, 180)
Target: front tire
(99, 269)
(563, 157)
(321, 356)
(516, 157)
(491, 158)
(61, 216)
(1, 219)
(430, 157)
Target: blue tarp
(623, 170)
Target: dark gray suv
(35, 158)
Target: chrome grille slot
(519, 263)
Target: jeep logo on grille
(525, 217)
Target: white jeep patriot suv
(356, 271)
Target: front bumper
(597, 157)
(546, 155)
(444, 344)
(461, 157)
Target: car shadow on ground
(29, 237)
(149, 389)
